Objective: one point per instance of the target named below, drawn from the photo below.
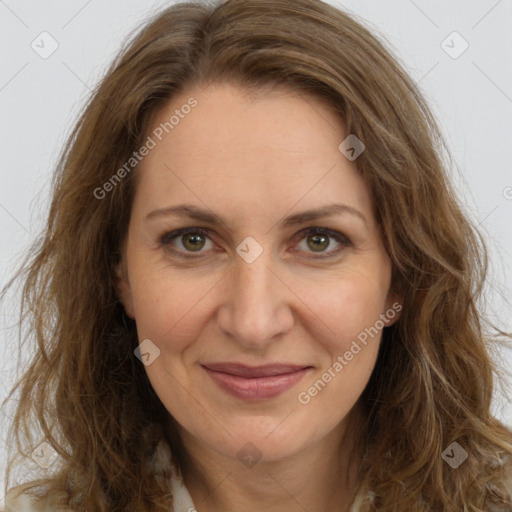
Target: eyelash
(167, 238)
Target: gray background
(471, 95)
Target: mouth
(255, 382)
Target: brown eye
(318, 242)
(193, 242)
(186, 241)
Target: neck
(322, 477)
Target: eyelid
(340, 238)
(171, 235)
(343, 241)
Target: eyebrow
(193, 212)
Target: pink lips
(255, 382)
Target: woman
(256, 289)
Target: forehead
(238, 148)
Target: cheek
(170, 308)
(352, 310)
(347, 306)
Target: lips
(240, 370)
(255, 382)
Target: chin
(266, 438)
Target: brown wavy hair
(433, 381)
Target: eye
(186, 241)
(317, 240)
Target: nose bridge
(255, 309)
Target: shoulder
(364, 499)
(18, 499)
(501, 497)
(30, 498)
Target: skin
(254, 159)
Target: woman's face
(262, 322)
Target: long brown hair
(433, 380)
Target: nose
(256, 307)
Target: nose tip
(255, 308)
